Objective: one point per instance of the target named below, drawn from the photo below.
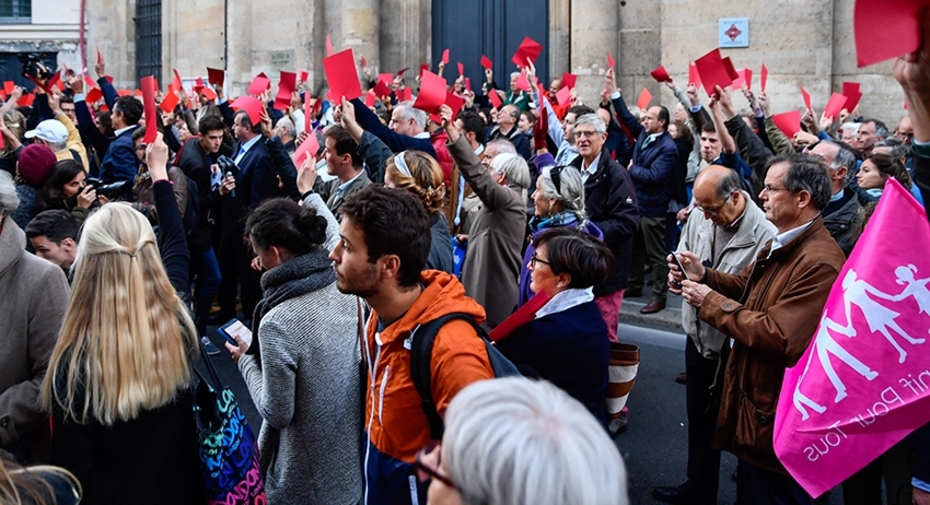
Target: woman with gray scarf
(302, 368)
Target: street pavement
(654, 447)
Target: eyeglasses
(535, 259)
(769, 189)
(425, 471)
(585, 133)
(713, 211)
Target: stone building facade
(802, 42)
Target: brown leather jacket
(771, 309)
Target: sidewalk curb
(668, 319)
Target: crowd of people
(374, 249)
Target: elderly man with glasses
(726, 231)
(769, 311)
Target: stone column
(559, 36)
(594, 29)
(405, 34)
(353, 24)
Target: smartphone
(235, 327)
(680, 267)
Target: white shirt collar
(123, 130)
(342, 187)
(782, 239)
(422, 135)
(566, 300)
(479, 150)
(590, 169)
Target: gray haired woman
(514, 441)
(558, 201)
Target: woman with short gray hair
(514, 441)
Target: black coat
(611, 204)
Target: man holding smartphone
(726, 230)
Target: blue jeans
(207, 268)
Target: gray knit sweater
(307, 390)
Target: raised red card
(341, 75)
(260, 84)
(169, 102)
(251, 105)
(286, 87)
(885, 29)
(329, 47)
(852, 92)
(208, 93)
(806, 96)
(386, 79)
(610, 61)
(445, 57)
(834, 105)
(147, 84)
(645, 98)
(423, 68)
(216, 76)
(370, 98)
(523, 83)
(569, 80)
(309, 147)
(495, 99)
(788, 122)
(764, 77)
(468, 84)
(486, 62)
(461, 68)
(713, 72)
(432, 93)
(731, 70)
(93, 95)
(382, 90)
(693, 76)
(564, 96)
(529, 49)
(308, 113)
(8, 87)
(661, 75)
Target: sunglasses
(555, 174)
(426, 471)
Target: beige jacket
(74, 143)
(753, 234)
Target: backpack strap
(421, 351)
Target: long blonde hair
(19, 486)
(127, 340)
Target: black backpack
(421, 352)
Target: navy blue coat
(569, 349)
(395, 141)
(651, 167)
(120, 162)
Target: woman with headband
(420, 174)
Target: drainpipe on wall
(82, 40)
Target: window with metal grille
(15, 11)
(148, 38)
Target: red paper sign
(309, 147)
(713, 72)
(329, 47)
(564, 96)
(645, 97)
(432, 93)
(251, 105)
(851, 90)
(286, 87)
(610, 61)
(93, 96)
(386, 79)
(788, 122)
(8, 87)
(523, 83)
(834, 105)
(661, 75)
(806, 96)
(364, 62)
(529, 50)
(468, 84)
(486, 62)
(382, 89)
(495, 99)
(208, 93)
(461, 68)
(308, 113)
(731, 70)
(148, 102)
(260, 84)
(169, 103)
(341, 75)
(445, 57)
(885, 29)
(569, 80)
(764, 77)
(745, 78)
(370, 98)
(693, 76)
(216, 76)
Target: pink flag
(864, 382)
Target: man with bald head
(905, 130)
(726, 230)
(839, 214)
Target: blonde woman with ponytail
(119, 381)
(420, 174)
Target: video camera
(113, 190)
(228, 168)
(33, 66)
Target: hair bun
(313, 226)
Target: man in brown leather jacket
(770, 312)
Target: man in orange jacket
(384, 242)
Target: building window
(15, 11)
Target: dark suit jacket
(120, 162)
(651, 166)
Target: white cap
(51, 131)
